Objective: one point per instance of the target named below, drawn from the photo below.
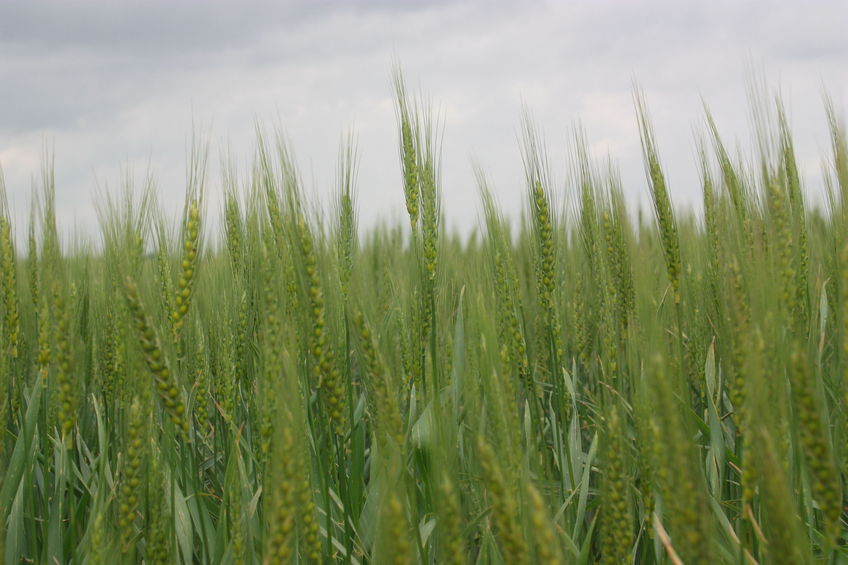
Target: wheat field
(583, 384)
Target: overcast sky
(119, 84)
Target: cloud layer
(110, 85)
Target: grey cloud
(114, 80)
(150, 27)
(80, 62)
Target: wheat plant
(579, 383)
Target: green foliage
(593, 387)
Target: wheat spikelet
(165, 384)
(548, 550)
(616, 529)
(65, 376)
(8, 263)
(329, 381)
(187, 268)
(408, 147)
(662, 204)
(504, 507)
(131, 476)
(827, 485)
